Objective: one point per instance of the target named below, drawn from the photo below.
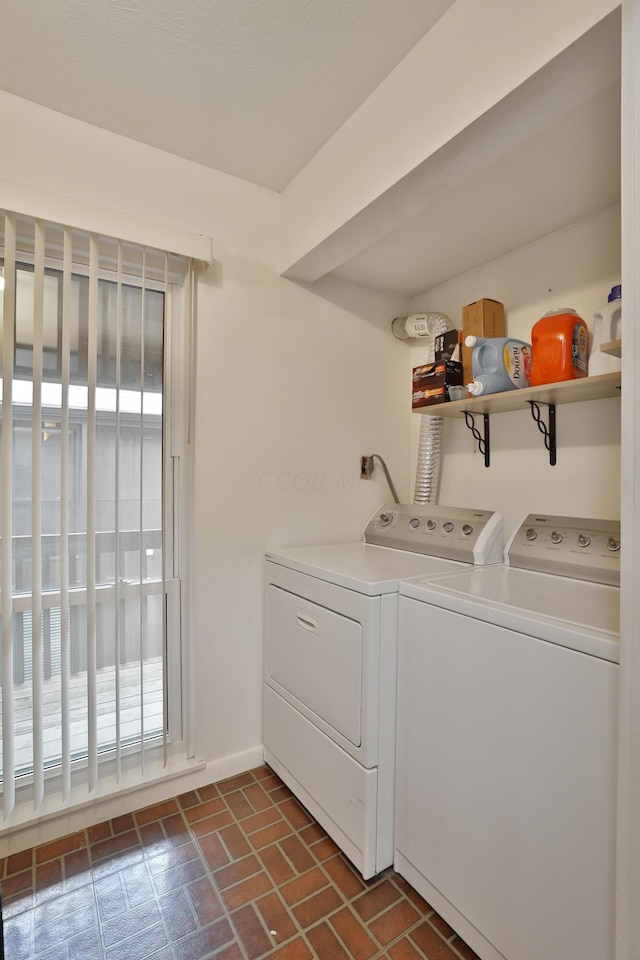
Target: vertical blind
(87, 562)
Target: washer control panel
(567, 546)
(454, 533)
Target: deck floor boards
(130, 710)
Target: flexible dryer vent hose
(431, 429)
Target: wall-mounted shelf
(601, 387)
(612, 347)
(569, 391)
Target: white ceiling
(249, 87)
(254, 88)
(562, 169)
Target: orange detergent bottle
(559, 347)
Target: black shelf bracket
(483, 441)
(547, 430)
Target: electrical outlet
(366, 468)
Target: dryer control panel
(567, 546)
(453, 533)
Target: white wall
(574, 267)
(294, 384)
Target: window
(90, 674)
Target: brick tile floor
(237, 871)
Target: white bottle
(607, 326)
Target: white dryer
(507, 731)
(330, 663)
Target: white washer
(507, 730)
(330, 663)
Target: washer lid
(363, 567)
(577, 614)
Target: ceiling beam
(410, 140)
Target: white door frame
(628, 847)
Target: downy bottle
(498, 364)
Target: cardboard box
(484, 318)
(431, 382)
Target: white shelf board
(612, 347)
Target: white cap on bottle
(470, 341)
(475, 388)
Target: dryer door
(315, 656)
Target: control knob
(414, 522)
(448, 526)
(613, 544)
(531, 534)
(467, 529)
(431, 524)
(556, 537)
(583, 540)
(385, 519)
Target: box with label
(447, 345)
(484, 318)
(431, 382)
